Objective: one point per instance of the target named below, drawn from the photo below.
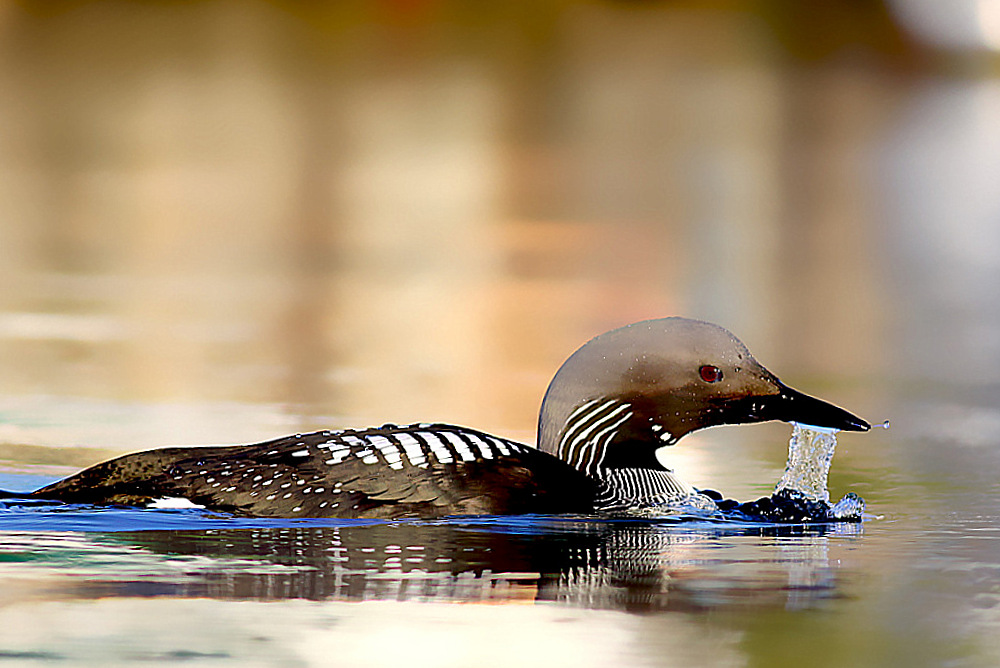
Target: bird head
(629, 391)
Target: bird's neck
(588, 432)
(603, 434)
(613, 442)
(638, 487)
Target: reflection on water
(638, 566)
(676, 562)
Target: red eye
(710, 374)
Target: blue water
(30, 515)
(25, 514)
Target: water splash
(801, 496)
(810, 453)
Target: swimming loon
(611, 405)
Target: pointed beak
(794, 406)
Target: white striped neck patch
(630, 488)
(589, 431)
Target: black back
(427, 470)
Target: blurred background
(226, 221)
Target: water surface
(228, 222)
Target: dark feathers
(388, 472)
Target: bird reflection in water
(623, 565)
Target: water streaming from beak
(810, 453)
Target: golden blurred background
(222, 221)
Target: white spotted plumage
(460, 446)
(278, 479)
(398, 447)
(413, 449)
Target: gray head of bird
(632, 390)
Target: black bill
(790, 405)
(794, 406)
